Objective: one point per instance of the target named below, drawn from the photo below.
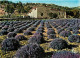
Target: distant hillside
(19, 8)
(79, 7)
(53, 6)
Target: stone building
(43, 12)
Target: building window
(41, 14)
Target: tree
(20, 8)
(9, 9)
(75, 13)
(27, 8)
(69, 12)
(53, 15)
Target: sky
(69, 3)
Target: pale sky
(69, 3)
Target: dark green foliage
(53, 15)
(20, 7)
(9, 8)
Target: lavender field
(40, 39)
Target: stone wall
(45, 11)
(33, 13)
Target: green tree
(75, 13)
(53, 15)
(27, 8)
(69, 12)
(20, 8)
(9, 9)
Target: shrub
(18, 31)
(10, 30)
(51, 32)
(59, 30)
(35, 25)
(50, 29)
(11, 25)
(48, 26)
(40, 30)
(27, 33)
(3, 32)
(23, 28)
(41, 27)
(11, 34)
(74, 38)
(10, 44)
(51, 36)
(65, 33)
(30, 51)
(37, 33)
(0, 27)
(36, 39)
(5, 27)
(20, 37)
(31, 29)
(65, 54)
(59, 44)
(76, 32)
(69, 29)
(75, 28)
